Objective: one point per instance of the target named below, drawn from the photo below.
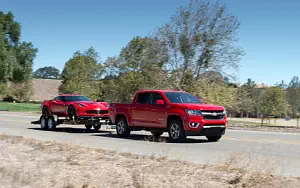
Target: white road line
(23, 116)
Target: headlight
(81, 105)
(193, 112)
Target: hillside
(44, 89)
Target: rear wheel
(72, 113)
(44, 123)
(51, 123)
(122, 128)
(176, 131)
(213, 138)
(157, 134)
(45, 111)
(88, 126)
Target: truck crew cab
(178, 113)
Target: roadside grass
(19, 107)
(32, 163)
(246, 123)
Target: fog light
(194, 124)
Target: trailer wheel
(97, 126)
(51, 123)
(44, 123)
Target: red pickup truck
(178, 113)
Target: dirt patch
(33, 163)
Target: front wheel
(176, 131)
(213, 138)
(97, 126)
(122, 128)
(72, 113)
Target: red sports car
(78, 108)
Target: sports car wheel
(72, 113)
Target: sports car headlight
(193, 112)
(81, 105)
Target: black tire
(122, 128)
(51, 123)
(72, 113)
(44, 123)
(176, 131)
(45, 111)
(157, 134)
(88, 126)
(213, 138)
(97, 126)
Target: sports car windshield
(74, 98)
(181, 97)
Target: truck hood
(200, 106)
(94, 105)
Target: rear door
(140, 110)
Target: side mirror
(94, 100)
(161, 102)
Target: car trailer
(49, 122)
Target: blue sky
(269, 32)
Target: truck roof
(162, 91)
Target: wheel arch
(174, 117)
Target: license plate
(102, 121)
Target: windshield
(181, 97)
(74, 98)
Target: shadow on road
(72, 130)
(150, 138)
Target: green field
(19, 107)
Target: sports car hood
(200, 106)
(94, 105)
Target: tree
(200, 37)
(82, 74)
(293, 95)
(140, 65)
(16, 58)
(48, 72)
(273, 102)
(245, 102)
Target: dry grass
(33, 163)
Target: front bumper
(208, 131)
(204, 127)
(100, 119)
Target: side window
(155, 97)
(143, 98)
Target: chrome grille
(213, 114)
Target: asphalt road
(277, 152)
